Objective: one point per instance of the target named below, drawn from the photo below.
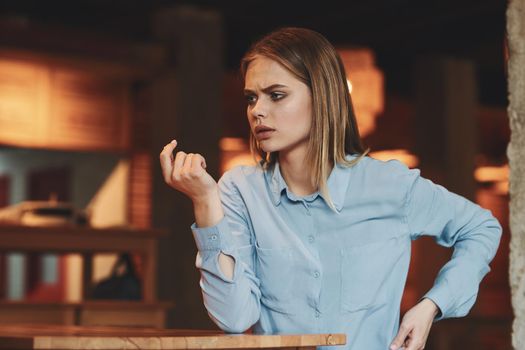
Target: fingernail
(392, 347)
(173, 141)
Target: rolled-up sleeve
(455, 222)
(233, 304)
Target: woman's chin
(270, 149)
(267, 147)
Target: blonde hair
(315, 62)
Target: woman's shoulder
(389, 170)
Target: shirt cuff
(213, 238)
(441, 298)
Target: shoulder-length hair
(314, 61)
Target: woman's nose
(258, 110)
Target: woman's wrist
(207, 209)
(206, 198)
(431, 305)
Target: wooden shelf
(89, 313)
(78, 239)
(88, 241)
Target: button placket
(307, 208)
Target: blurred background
(90, 92)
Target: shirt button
(311, 239)
(213, 237)
(317, 274)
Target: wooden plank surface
(90, 338)
(79, 230)
(77, 239)
(100, 304)
(88, 313)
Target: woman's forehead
(263, 72)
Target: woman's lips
(263, 132)
(263, 135)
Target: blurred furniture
(43, 213)
(87, 241)
(90, 338)
(87, 313)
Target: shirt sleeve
(455, 222)
(233, 304)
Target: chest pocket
(366, 270)
(275, 270)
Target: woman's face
(279, 106)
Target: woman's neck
(295, 171)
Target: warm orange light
(497, 175)
(501, 188)
(235, 152)
(23, 87)
(232, 144)
(492, 173)
(365, 83)
(240, 159)
(53, 105)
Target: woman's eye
(250, 99)
(276, 95)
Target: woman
(316, 238)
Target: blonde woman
(316, 238)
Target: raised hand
(186, 172)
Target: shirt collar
(337, 183)
(275, 182)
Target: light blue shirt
(303, 267)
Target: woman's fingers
(400, 338)
(180, 157)
(409, 337)
(415, 343)
(186, 167)
(198, 164)
(166, 160)
(185, 172)
(416, 325)
(413, 333)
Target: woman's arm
(208, 212)
(228, 282)
(226, 260)
(454, 222)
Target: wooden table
(109, 338)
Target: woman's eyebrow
(266, 89)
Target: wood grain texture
(109, 338)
